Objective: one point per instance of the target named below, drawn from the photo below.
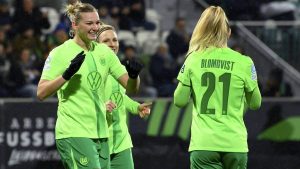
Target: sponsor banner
(27, 135)
(275, 121)
(27, 138)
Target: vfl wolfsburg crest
(102, 61)
(83, 160)
(117, 98)
(94, 80)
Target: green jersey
(81, 108)
(219, 78)
(119, 137)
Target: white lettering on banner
(12, 139)
(27, 123)
(14, 124)
(26, 138)
(27, 131)
(32, 123)
(20, 156)
(50, 123)
(39, 123)
(37, 141)
(49, 139)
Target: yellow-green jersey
(119, 137)
(81, 108)
(219, 78)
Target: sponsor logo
(22, 156)
(117, 98)
(94, 80)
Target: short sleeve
(52, 67)
(251, 76)
(184, 75)
(116, 68)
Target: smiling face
(110, 38)
(87, 27)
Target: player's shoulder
(64, 47)
(100, 46)
(239, 56)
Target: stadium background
(267, 31)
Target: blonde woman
(81, 128)
(120, 143)
(220, 81)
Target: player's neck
(85, 45)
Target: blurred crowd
(258, 10)
(25, 42)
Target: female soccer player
(81, 128)
(219, 80)
(120, 143)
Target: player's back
(218, 78)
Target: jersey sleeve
(184, 75)
(251, 76)
(131, 105)
(116, 68)
(53, 67)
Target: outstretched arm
(136, 108)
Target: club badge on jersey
(253, 73)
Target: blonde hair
(212, 30)
(73, 10)
(104, 27)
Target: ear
(74, 25)
(229, 33)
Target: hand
(74, 66)
(110, 106)
(144, 109)
(133, 68)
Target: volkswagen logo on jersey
(117, 98)
(94, 80)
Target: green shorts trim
(218, 160)
(122, 160)
(84, 153)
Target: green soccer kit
(81, 108)
(219, 78)
(119, 137)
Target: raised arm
(131, 85)
(47, 88)
(131, 81)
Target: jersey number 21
(208, 79)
